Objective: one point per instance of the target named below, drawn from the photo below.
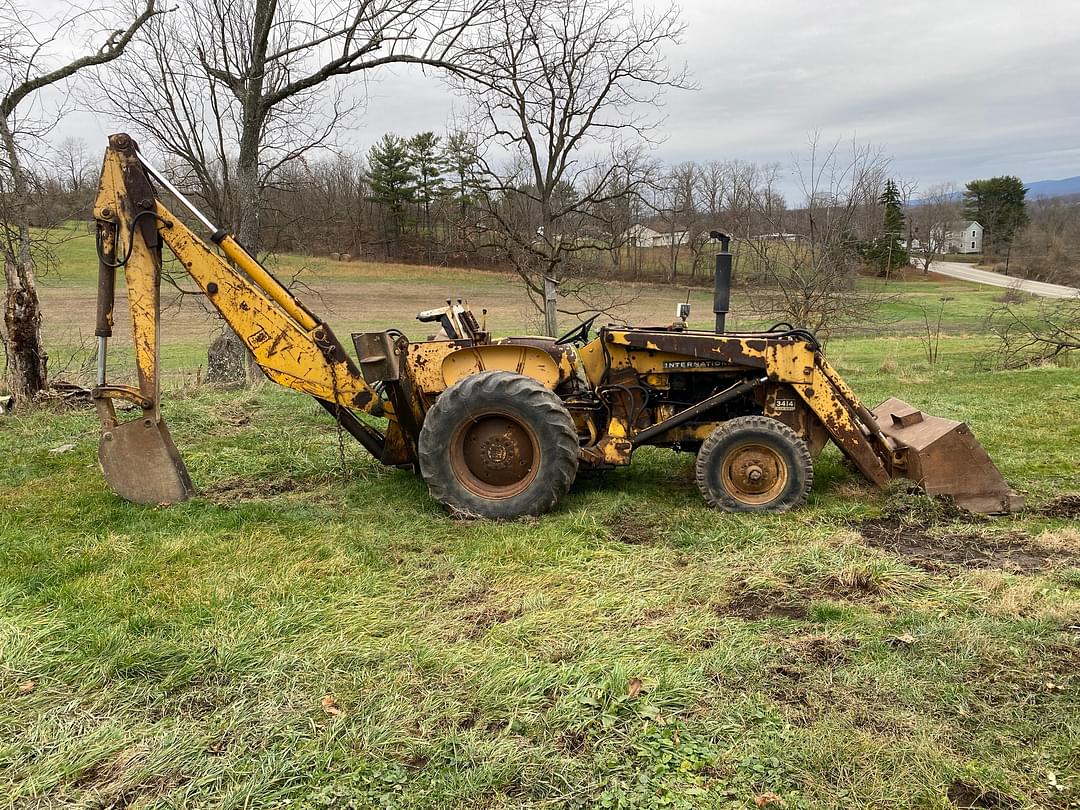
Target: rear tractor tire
(754, 464)
(498, 445)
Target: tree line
(418, 197)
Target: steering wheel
(579, 334)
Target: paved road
(969, 273)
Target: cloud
(953, 90)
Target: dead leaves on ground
(769, 799)
(330, 706)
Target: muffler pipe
(722, 281)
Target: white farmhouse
(955, 237)
(964, 237)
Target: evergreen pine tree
(886, 251)
(428, 166)
(461, 160)
(392, 182)
(894, 210)
(998, 205)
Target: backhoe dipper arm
(291, 345)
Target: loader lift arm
(292, 346)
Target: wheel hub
(494, 455)
(754, 473)
(498, 452)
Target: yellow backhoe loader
(499, 428)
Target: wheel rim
(754, 473)
(494, 455)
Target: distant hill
(1053, 188)
(1039, 190)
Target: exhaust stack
(722, 281)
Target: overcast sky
(952, 90)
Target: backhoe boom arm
(289, 343)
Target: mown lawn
(313, 630)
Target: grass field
(313, 631)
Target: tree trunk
(551, 324)
(27, 362)
(221, 357)
(550, 267)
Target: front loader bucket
(944, 458)
(141, 463)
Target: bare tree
(713, 178)
(908, 188)
(28, 65)
(619, 202)
(238, 90)
(1048, 249)
(932, 219)
(677, 209)
(807, 260)
(74, 168)
(1028, 336)
(552, 81)
(241, 89)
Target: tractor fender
(549, 365)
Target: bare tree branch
(560, 85)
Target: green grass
(313, 630)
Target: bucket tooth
(944, 458)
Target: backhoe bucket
(944, 458)
(141, 463)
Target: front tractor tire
(754, 464)
(498, 445)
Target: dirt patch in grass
(953, 552)
(573, 742)
(631, 525)
(105, 784)
(853, 583)
(146, 793)
(234, 413)
(1067, 506)
(483, 617)
(802, 654)
(1064, 659)
(486, 618)
(238, 490)
(709, 639)
(1055, 668)
(791, 678)
(966, 795)
(230, 491)
(764, 604)
(820, 650)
